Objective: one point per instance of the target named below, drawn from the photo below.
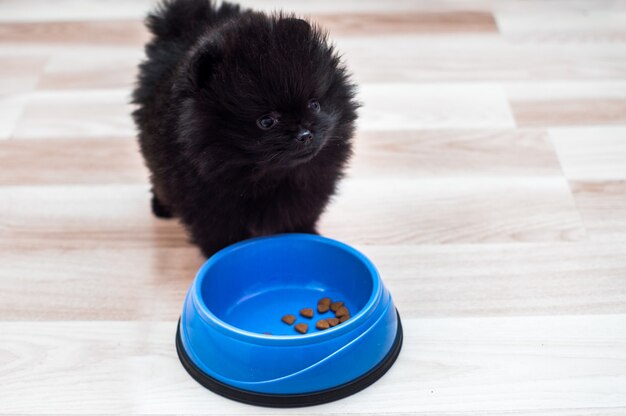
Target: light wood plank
(20, 73)
(565, 89)
(74, 114)
(568, 103)
(503, 279)
(456, 153)
(377, 153)
(480, 210)
(399, 211)
(425, 280)
(11, 109)
(71, 32)
(601, 17)
(83, 216)
(591, 153)
(488, 187)
(444, 106)
(71, 161)
(72, 10)
(413, 58)
(486, 58)
(427, 58)
(473, 365)
(97, 68)
(407, 22)
(132, 31)
(602, 206)
(95, 284)
(570, 112)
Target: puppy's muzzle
(304, 136)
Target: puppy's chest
(264, 197)
(276, 209)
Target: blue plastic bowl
(243, 291)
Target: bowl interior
(254, 284)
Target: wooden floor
(489, 187)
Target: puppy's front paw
(160, 210)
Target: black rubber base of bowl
(291, 400)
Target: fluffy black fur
(212, 78)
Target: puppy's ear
(294, 25)
(203, 64)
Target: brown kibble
(307, 312)
(325, 301)
(332, 321)
(302, 328)
(322, 324)
(289, 319)
(335, 306)
(341, 312)
(344, 318)
(323, 307)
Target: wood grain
(504, 279)
(72, 114)
(67, 10)
(98, 67)
(409, 22)
(591, 153)
(602, 206)
(484, 57)
(568, 103)
(577, 19)
(469, 365)
(428, 106)
(468, 152)
(11, 109)
(570, 112)
(68, 161)
(20, 73)
(412, 153)
(83, 216)
(399, 211)
(487, 186)
(406, 211)
(72, 32)
(95, 284)
(108, 283)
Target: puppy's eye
(266, 122)
(315, 105)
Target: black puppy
(245, 120)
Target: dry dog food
(322, 324)
(342, 311)
(332, 321)
(342, 314)
(323, 305)
(335, 306)
(302, 328)
(307, 312)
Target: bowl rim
(297, 339)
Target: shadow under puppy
(245, 120)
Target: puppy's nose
(305, 136)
